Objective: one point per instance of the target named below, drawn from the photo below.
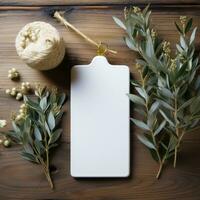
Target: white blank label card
(100, 142)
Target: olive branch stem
(176, 127)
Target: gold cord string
(101, 48)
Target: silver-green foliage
(168, 94)
(38, 132)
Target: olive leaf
(136, 99)
(140, 124)
(43, 103)
(29, 157)
(119, 22)
(189, 25)
(51, 121)
(55, 136)
(146, 142)
(160, 128)
(37, 133)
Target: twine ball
(40, 46)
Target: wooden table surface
(20, 179)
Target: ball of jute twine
(40, 46)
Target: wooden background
(20, 179)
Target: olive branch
(169, 88)
(37, 130)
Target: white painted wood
(100, 120)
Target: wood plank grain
(22, 180)
(94, 2)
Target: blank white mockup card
(100, 142)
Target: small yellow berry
(136, 10)
(18, 117)
(16, 74)
(21, 111)
(8, 91)
(19, 96)
(23, 105)
(23, 88)
(28, 85)
(13, 73)
(13, 93)
(6, 143)
(9, 76)
(13, 70)
(22, 115)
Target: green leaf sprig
(168, 92)
(37, 130)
